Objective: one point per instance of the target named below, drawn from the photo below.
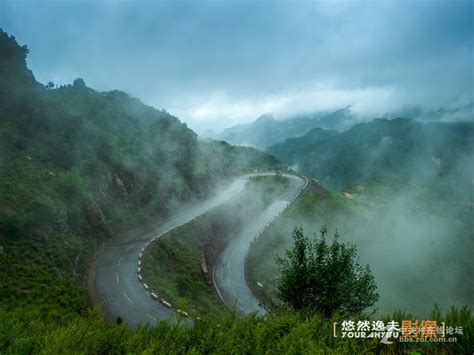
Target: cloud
(220, 63)
(220, 109)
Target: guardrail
(153, 293)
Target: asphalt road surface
(115, 279)
(229, 274)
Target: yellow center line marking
(118, 263)
(151, 317)
(128, 298)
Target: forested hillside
(80, 167)
(71, 155)
(433, 154)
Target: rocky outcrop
(48, 231)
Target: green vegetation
(172, 266)
(393, 224)
(316, 206)
(80, 167)
(324, 278)
(276, 334)
(97, 162)
(436, 155)
(38, 283)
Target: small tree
(79, 83)
(324, 277)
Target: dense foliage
(79, 164)
(325, 278)
(78, 168)
(277, 334)
(89, 152)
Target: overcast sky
(217, 63)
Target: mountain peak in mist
(266, 130)
(399, 147)
(268, 117)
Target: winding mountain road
(114, 278)
(229, 274)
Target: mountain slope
(78, 168)
(420, 152)
(98, 150)
(394, 225)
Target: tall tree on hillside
(324, 277)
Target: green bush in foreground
(323, 277)
(280, 333)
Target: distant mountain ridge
(459, 113)
(400, 147)
(266, 130)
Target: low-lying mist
(418, 245)
(419, 255)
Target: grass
(172, 267)
(36, 280)
(228, 334)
